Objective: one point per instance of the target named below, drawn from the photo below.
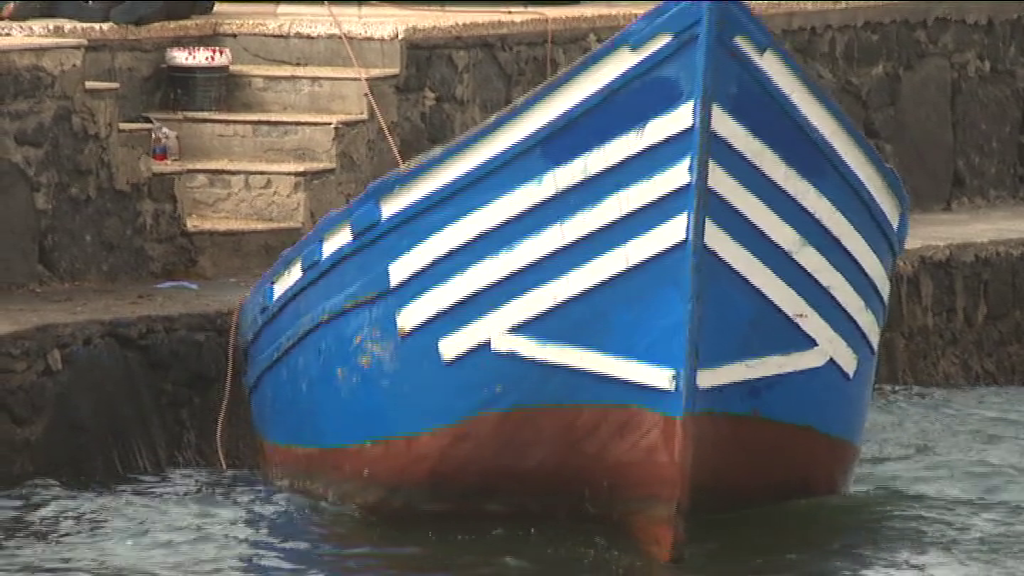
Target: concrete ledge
(383, 21)
(14, 43)
(27, 309)
(95, 86)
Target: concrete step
(101, 102)
(230, 247)
(256, 137)
(296, 51)
(313, 89)
(269, 192)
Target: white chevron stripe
(564, 288)
(790, 181)
(586, 360)
(546, 186)
(762, 367)
(781, 295)
(786, 238)
(503, 264)
(337, 238)
(286, 279)
(800, 96)
(526, 123)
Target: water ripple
(938, 492)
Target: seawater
(939, 491)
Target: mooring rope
(366, 86)
(228, 379)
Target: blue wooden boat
(653, 285)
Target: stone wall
(956, 317)
(941, 96)
(91, 215)
(96, 400)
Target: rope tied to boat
(366, 86)
(228, 379)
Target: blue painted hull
(680, 225)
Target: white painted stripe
(775, 68)
(790, 181)
(540, 189)
(337, 238)
(780, 294)
(286, 279)
(762, 367)
(789, 240)
(525, 123)
(503, 264)
(566, 287)
(586, 360)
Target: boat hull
(642, 470)
(655, 286)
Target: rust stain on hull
(640, 469)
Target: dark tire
(86, 11)
(20, 11)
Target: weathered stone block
(923, 140)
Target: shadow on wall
(19, 226)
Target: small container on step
(197, 78)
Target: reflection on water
(938, 492)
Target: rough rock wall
(97, 400)
(943, 100)
(956, 317)
(58, 143)
(448, 88)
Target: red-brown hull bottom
(639, 468)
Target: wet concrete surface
(25, 309)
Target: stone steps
(256, 136)
(251, 191)
(235, 247)
(305, 89)
(251, 179)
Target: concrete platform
(966, 226)
(385, 21)
(24, 309)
